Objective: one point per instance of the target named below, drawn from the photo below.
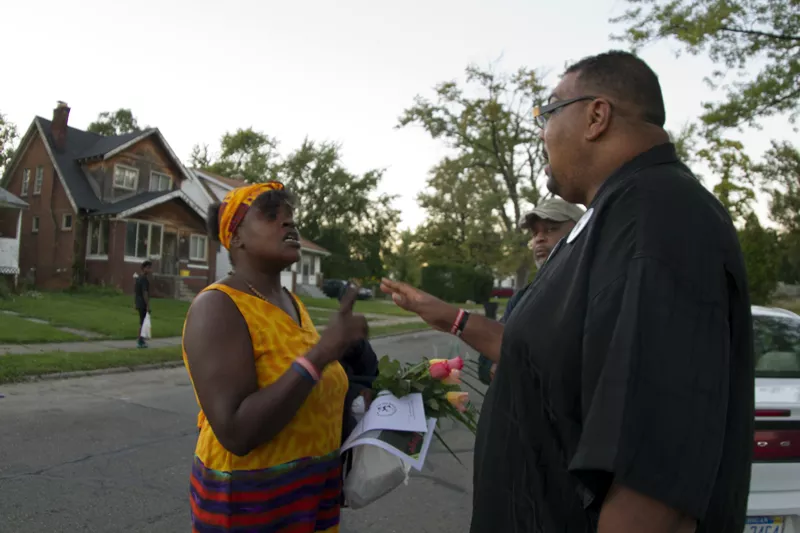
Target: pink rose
(456, 363)
(453, 379)
(458, 400)
(439, 368)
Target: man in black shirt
(141, 292)
(623, 399)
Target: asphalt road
(112, 453)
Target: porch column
(19, 246)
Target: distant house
(304, 276)
(11, 209)
(99, 206)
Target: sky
(337, 71)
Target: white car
(774, 503)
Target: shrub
(457, 283)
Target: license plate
(764, 524)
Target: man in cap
(553, 219)
(548, 223)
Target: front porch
(171, 235)
(11, 209)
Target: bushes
(457, 283)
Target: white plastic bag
(375, 473)
(146, 327)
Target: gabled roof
(66, 162)
(82, 146)
(9, 200)
(130, 203)
(305, 244)
(108, 144)
(222, 181)
(146, 200)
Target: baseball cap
(554, 209)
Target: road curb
(156, 366)
(102, 371)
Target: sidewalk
(107, 345)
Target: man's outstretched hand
(432, 310)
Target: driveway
(112, 453)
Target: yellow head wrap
(235, 205)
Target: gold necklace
(255, 291)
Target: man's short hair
(625, 78)
(146, 264)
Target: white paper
(400, 414)
(387, 440)
(772, 394)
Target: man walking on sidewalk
(142, 298)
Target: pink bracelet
(310, 368)
(454, 327)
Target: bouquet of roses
(439, 381)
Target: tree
(341, 211)
(736, 189)
(759, 41)
(489, 125)
(119, 122)
(779, 173)
(761, 258)
(248, 154)
(8, 139)
(460, 226)
(403, 264)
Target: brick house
(99, 206)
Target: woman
(270, 388)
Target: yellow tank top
(277, 341)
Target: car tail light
(772, 412)
(776, 445)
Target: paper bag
(374, 474)
(146, 332)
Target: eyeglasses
(541, 113)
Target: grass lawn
(15, 330)
(395, 329)
(17, 367)
(110, 315)
(378, 307)
(14, 368)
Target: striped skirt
(298, 497)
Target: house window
(26, 182)
(198, 245)
(35, 225)
(160, 182)
(142, 240)
(98, 237)
(66, 221)
(37, 184)
(126, 178)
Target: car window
(777, 346)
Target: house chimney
(58, 128)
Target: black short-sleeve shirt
(629, 360)
(141, 288)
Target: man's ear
(598, 118)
